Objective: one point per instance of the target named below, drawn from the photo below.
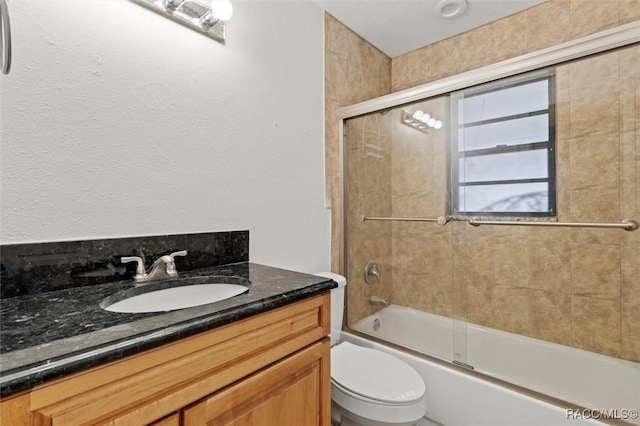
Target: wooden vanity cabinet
(269, 369)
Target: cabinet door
(14, 410)
(295, 391)
(172, 420)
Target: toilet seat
(375, 376)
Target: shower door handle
(5, 37)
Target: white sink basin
(170, 295)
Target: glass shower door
(396, 188)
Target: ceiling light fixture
(205, 16)
(450, 9)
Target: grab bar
(626, 224)
(5, 37)
(442, 220)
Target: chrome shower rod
(442, 220)
(626, 224)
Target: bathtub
(604, 384)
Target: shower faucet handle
(371, 273)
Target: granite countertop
(48, 335)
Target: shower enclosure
(499, 208)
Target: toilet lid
(375, 375)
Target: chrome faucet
(375, 300)
(164, 267)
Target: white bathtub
(587, 379)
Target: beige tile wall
(369, 193)
(354, 72)
(577, 287)
(422, 253)
(548, 24)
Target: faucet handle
(171, 267)
(168, 260)
(178, 253)
(141, 273)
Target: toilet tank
(337, 304)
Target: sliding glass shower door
(495, 226)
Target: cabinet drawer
(145, 387)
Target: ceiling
(400, 26)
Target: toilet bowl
(370, 387)
(374, 388)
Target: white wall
(118, 122)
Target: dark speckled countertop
(48, 335)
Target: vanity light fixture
(205, 16)
(420, 120)
(5, 39)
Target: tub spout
(375, 300)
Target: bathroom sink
(169, 295)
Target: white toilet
(369, 387)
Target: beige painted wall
(572, 286)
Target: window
(503, 139)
